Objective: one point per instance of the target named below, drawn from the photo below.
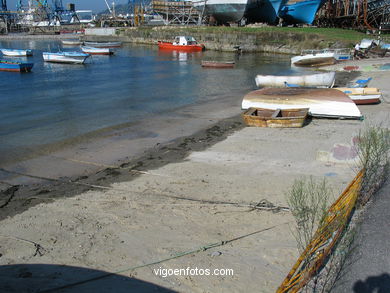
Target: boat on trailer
(103, 44)
(16, 52)
(97, 51)
(182, 43)
(328, 103)
(362, 96)
(323, 80)
(6, 65)
(65, 57)
(278, 118)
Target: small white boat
(362, 96)
(321, 102)
(321, 80)
(16, 52)
(103, 44)
(321, 57)
(71, 42)
(65, 57)
(97, 51)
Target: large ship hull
(264, 10)
(223, 11)
(300, 12)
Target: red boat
(182, 43)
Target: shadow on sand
(36, 278)
(374, 284)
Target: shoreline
(175, 196)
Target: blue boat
(15, 66)
(303, 11)
(264, 10)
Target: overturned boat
(323, 80)
(328, 103)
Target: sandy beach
(205, 193)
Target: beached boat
(65, 57)
(97, 51)
(217, 64)
(16, 52)
(275, 118)
(324, 80)
(300, 11)
(103, 44)
(182, 43)
(321, 57)
(362, 96)
(223, 11)
(71, 42)
(265, 11)
(15, 66)
(321, 102)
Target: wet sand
(219, 182)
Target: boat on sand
(275, 118)
(182, 43)
(321, 102)
(323, 80)
(362, 96)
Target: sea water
(56, 102)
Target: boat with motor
(97, 51)
(16, 52)
(300, 11)
(6, 65)
(321, 80)
(65, 57)
(329, 103)
(103, 44)
(182, 43)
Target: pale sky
(95, 5)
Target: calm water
(57, 101)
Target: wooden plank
(276, 113)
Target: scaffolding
(364, 14)
(176, 12)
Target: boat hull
(329, 103)
(186, 48)
(363, 96)
(71, 43)
(261, 117)
(217, 64)
(314, 61)
(103, 45)
(300, 12)
(264, 10)
(65, 58)
(223, 11)
(324, 80)
(16, 53)
(15, 66)
(97, 51)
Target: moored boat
(362, 96)
(324, 80)
(103, 44)
(321, 102)
(217, 64)
(182, 43)
(71, 42)
(275, 118)
(6, 65)
(65, 57)
(16, 52)
(97, 51)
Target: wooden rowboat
(362, 96)
(323, 80)
(321, 102)
(217, 64)
(275, 118)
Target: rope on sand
(197, 250)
